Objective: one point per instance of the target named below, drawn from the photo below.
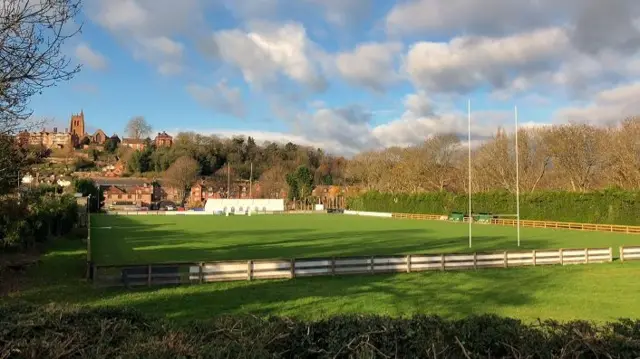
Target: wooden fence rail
(535, 224)
(204, 272)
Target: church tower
(77, 128)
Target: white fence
(189, 272)
(240, 206)
(368, 214)
(269, 269)
(629, 254)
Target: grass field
(155, 239)
(598, 292)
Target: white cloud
(269, 50)
(220, 97)
(370, 65)
(466, 63)
(92, 58)
(149, 28)
(606, 108)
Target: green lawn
(154, 239)
(597, 292)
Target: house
(48, 139)
(138, 196)
(163, 140)
(135, 143)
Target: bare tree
(578, 151)
(138, 128)
(32, 34)
(273, 181)
(623, 154)
(440, 153)
(181, 175)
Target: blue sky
(349, 75)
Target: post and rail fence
(205, 272)
(533, 224)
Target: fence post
(534, 257)
(506, 260)
(409, 263)
(586, 255)
(442, 262)
(475, 260)
(149, 275)
(621, 254)
(371, 268)
(201, 270)
(610, 254)
(561, 256)
(249, 270)
(333, 265)
(293, 268)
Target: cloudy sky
(349, 75)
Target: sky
(350, 75)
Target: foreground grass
(599, 292)
(145, 239)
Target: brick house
(138, 196)
(136, 144)
(163, 140)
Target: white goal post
(517, 179)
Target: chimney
(55, 130)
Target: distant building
(135, 143)
(48, 139)
(53, 139)
(163, 140)
(77, 128)
(138, 196)
(99, 137)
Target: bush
(606, 207)
(30, 332)
(35, 217)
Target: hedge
(606, 207)
(33, 332)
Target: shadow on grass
(128, 242)
(451, 294)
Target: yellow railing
(536, 224)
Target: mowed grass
(597, 292)
(158, 239)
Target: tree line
(571, 157)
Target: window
(119, 196)
(128, 196)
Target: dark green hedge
(31, 332)
(606, 207)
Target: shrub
(108, 333)
(35, 217)
(607, 207)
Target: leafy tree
(88, 187)
(85, 141)
(110, 145)
(300, 183)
